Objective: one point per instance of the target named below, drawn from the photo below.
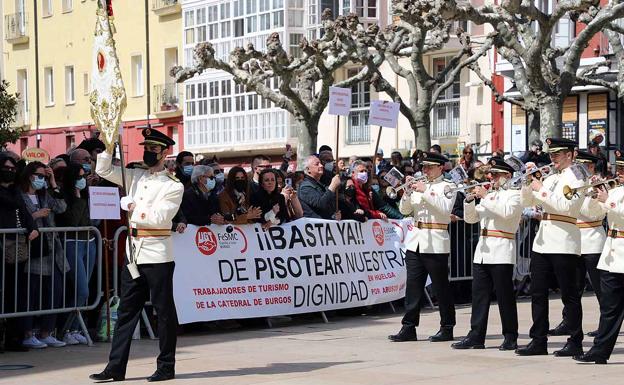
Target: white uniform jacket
(590, 219)
(157, 197)
(556, 236)
(499, 214)
(612, 257)
(429, 209)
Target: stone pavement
(348, 350)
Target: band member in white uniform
(612, 277)
(428, 248)
(593, 237)
(556, 249)
(498, 212)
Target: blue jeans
(81, 256)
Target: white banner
(384, 113)
(310, 265)
(339, 101)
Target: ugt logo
(378, 233)
(206, 241)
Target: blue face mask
(39, 183)
(81, 184)
(188, 170)
(86, 167)
(375, 187)
(220, 178)
(210, 184)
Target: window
(68, 6)
(295, 39)
(48, 73)
(296, 3)
(190, 100)
(189, 31)
(47, 7)
(225, 11)
(226, 100)
(366, 8)
(278, 19)
(213, 24)
(251, 24)
(265, 21)
(295, 18)
(277, 4)
(225, 29)
(137, 75)
(86, 87)
(346, 7)
(239, 8)
(445, 119)
(251, 6)
(265, 5)
(239, 27)
(358, 130)
(312, 12)
(70, 96)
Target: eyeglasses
(40, 176)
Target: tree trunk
(422, 131)
(551, 111)
(307, 133)
(533, 125)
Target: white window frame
(70, 85)
(360, 106)
(47, 8)
(68, 6)
(86, 86)
(49, 85)
(447, 102)
(138, 87)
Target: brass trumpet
(393, 192)
(569, 192)
(450, 191)
(527, 176)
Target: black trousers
(156, 279)
(418, 266)
(499, 277)
(611, 314)
(564, 268)
(587, 265)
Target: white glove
(125, 202)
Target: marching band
(571, 242)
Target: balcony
(166, 7)
(167, 99)
(16, 31)
(445, 119)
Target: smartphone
(288, 182)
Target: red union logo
(206, 241)
(378, 233)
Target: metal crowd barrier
(18, 301)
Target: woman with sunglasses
(47, 263)
(467, 160)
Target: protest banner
(310, 265)
(104, 202)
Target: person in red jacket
(363, 193)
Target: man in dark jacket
(200, 206)
(184, 167)
(317, 200)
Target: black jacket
(196, 208)
(266, 202)
(317, 201)
(10, 201)
(347, 210)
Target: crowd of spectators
(37, 195)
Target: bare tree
(544, 74)
(421, 30)
(303, 81)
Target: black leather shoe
(407, 333)
(106, 375)
(160, 376)
(569, 350)
(468, 343)
(590, 357)
(509, 344)
(444, 334)
(533, 349)
(592, 333)
(560, 330)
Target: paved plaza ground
(348, 350)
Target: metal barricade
(41, 272)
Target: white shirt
(612, 257)
(592, 238)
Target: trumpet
(393, 192)
(450, 191)
(527, 176)
(569, 192)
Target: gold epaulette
(173, 177)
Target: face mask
(87, 168)
(220, 178)
(375, 187)
(240, 185)
(150, 158)
(350, 191)
(81, 184)
(38, 183)
(329, 167)
(210, 184)
(188, 170)
(7, 176)
(362, 176)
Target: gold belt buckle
(484, 232)
(419, 225)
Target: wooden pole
(376, 148)
(106, 278)
(336, 159)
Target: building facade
(48, 61)
(222, 119)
